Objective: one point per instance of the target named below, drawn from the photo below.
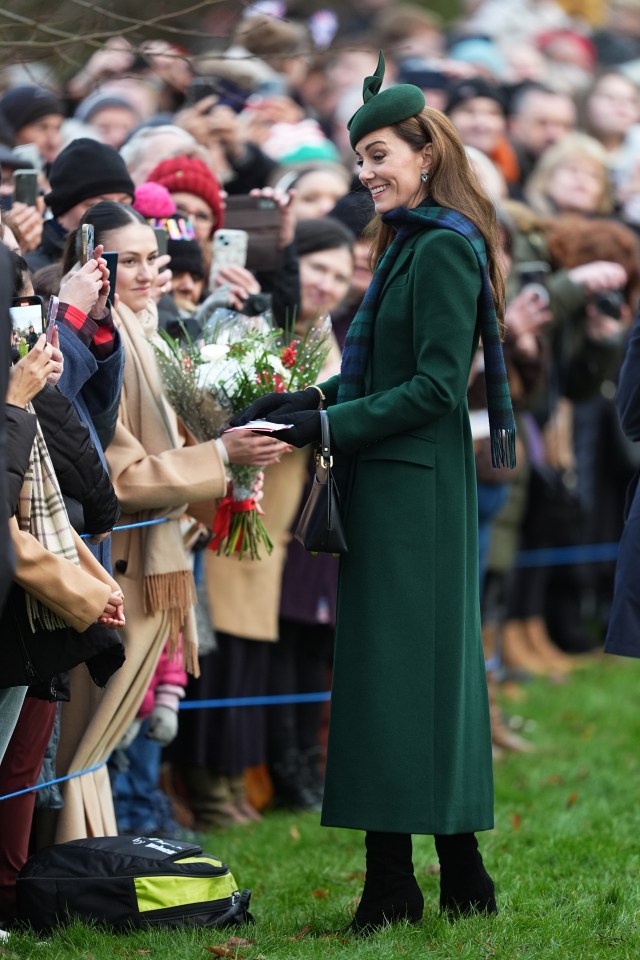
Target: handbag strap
(325, 440)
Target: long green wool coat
(409, 739)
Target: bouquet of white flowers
(209, 380)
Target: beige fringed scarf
(145, 412)
(42, 513)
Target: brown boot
(517, 651)
(502, 738)
(210, 799)
(539, 640)
(246, 813)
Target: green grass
(565, 855)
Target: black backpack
(129, 882)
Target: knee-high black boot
(465, 885)
(391, 892)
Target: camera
(609, 302)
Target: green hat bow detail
(371, 85)
(383, 108)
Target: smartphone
(162, 239)
(87, 242)
(25, 187)
(52, 313)
(228, 247)
(260, 217)
(27, 312)
(112, 263)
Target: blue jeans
(135, 789)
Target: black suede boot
(465, 885)
(391, 892)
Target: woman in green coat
(410, 741)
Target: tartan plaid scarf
(42, 513)
(358, 341)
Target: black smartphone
(260, 217)
(25, 186)
(162, 239)
(27, 312)
(112, 264)
(87, 242)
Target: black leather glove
(306, 427)
(264, 407)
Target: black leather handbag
(320, 527)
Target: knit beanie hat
(86, 168)
(26, 104)
(153, 201)
(383, 109)
(190, 175)
(186, 257)
(471, 88)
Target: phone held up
(260, 217)
(25, 187)
(87, 243)
(52, 313)
(27, 312)
(112, 264)
(229, 247)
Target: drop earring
(424, 176)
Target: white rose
(212, 352)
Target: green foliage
(564, 855)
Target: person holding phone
(410, 740)
(156, 470)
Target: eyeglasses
(200, 217)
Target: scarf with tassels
(145, 412)
(358, 341)
(42, 513)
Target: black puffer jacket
(89, 496)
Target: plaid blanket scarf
(42, 513)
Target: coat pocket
(409, 447)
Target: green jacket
(409, 741)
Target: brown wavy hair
(453, 184)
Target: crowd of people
(161, 139)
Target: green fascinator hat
(383, 109)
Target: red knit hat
(191, 175)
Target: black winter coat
(36, 659)
(88, 492)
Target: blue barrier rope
(545, 557)
(49, 783)
(132, 526)
(257, 701)
(562, 556)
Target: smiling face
(390, 169)
(480, 123)
(577, 185)
(137, 251)
(324, 281)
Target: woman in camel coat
(157, 471)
